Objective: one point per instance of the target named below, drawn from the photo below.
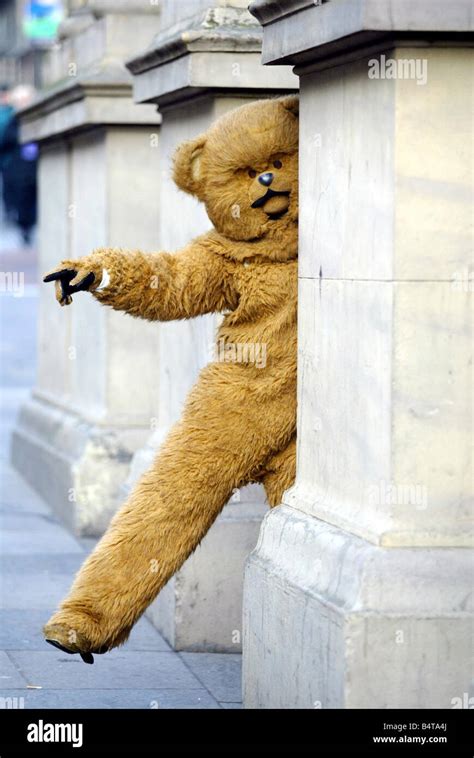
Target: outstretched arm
(154, 286)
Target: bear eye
(252, 173)
(277, 164)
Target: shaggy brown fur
(239, 422)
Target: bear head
(245, 169)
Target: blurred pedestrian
(6, 147)
(18, 164)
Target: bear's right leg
(223, 437)
(280, 473)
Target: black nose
(266, 179)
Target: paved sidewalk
(38, 559)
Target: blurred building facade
(28, 28)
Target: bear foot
(68, 638)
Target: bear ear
(187, 165)
(291, 104)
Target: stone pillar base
(77, 467)
(333, 621)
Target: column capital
(99, 98)
(216, 49)
(223, 29)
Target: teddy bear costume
(239, 421)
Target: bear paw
(74, 634)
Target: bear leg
(280, 472)
(214, 449)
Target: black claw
(60, 647)
(65, 276)
(65, 273)
(84, 284)
(64, 289)
(86, 657)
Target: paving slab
(144, 636)
(21, 629)
(220, 673)
(153, 699)
(10, 676)
(56, 563)
(14, 491)
(119, 669)
(14, 520)
(33, 590)
(26, 543)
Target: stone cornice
(216, 30)
(74, 104)
(299, 32)
(101, 8)
(267, 11)
(108, 79)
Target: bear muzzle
(273, 202)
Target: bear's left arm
(161, 286)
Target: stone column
(198, 67)
(97, 383)
(359, 593)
